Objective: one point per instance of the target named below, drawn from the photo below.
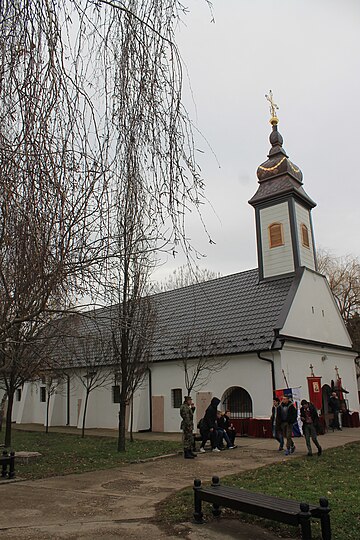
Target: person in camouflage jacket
(187, 425)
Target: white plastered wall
(296, 360)
(245, 371)
(278, 260)
(314, 315)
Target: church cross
(312, 370)
(273, 106)
(337, 372)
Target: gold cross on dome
(273, 106)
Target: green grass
(66, 454)
(335, 475)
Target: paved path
(122, 502)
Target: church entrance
(238, 401)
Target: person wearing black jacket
(334, 404)
(285, 419)
(208, 426)
(310, 419)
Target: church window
(305, 235)
(176, 398)
(42, 394)
(276, 235)
(116, 393)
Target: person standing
(285, 419)
(187, 426)
(334, 404)
(310, 419)
(209, 425)
(275, 433)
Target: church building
(260, 331)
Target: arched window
(276, 235)
(238, 401)
(305, 235)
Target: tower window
(276, 235)
(305, 235)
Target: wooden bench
(265, 506)
(7, 461)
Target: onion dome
(278, 176)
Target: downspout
(272, 369)
(68, 401)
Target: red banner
(315, 393)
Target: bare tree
(86, 89)
(53, 383)
(184, 276)
(199, 360)
(343, 274)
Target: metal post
(304, 519)
(198, 515)
(215, 482)
(324, 511)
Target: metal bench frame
(265, 506)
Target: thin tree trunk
(8, 419)
(2, 409)
(131, 418)
(84, 414)
(122, 416)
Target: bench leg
(198, 515)
(324, 511)
(305, 523)
(216, 510)
(12, 465)
(4, 464)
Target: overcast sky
(307, 52)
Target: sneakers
(202, 450)
(231, 447)
(216, 450)
(287, 452)
(281, 448)
(292, 449)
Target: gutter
(271, 361)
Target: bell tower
(285, 238)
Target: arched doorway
(238, 401)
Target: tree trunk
(122, 416)
(8, 419)
(2, 409)
(131, 418)
(84, 414)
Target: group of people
(283, 418)
(214, 426)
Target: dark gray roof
(228, 315)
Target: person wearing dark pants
(334, 404)
(285, 419)
(310, 419)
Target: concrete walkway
(122, 502)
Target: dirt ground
(122, 502)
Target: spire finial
(273, 108)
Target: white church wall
(306, 253)
(245, 371)
(296, 359)
(277, 260)
(314, 315)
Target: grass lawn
(335, 475)
(66, 453)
